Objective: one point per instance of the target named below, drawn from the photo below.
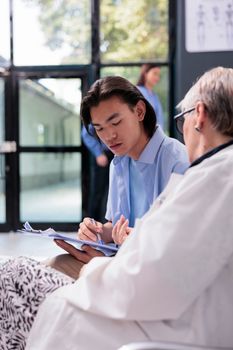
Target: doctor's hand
(85, 255)
(121, 230)
(88, 230)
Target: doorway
(41, 155)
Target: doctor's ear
(140, 109)
(201, 108)
(201, 115)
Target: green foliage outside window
(129, 30)
(66, 24)
(134, 30)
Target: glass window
(49, 112)
(2, 110)
(2, 189)
(132, 74)
(133, 30)
(50, 187)
(2, 156)
(4, 34)
(52, 32)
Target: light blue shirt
(136, 191)
(151, 97)
(161, 156)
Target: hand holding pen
(99, 240)
(90, 230)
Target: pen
(97, 234)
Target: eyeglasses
(179, 119)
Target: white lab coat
(172, 280)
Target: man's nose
(111, 135)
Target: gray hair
(215, 90)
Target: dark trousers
(99, 180)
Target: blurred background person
(100, 158)
(149, 77)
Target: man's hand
(88, 230)
(121, 230)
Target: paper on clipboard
(107, 249)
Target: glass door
(50, 151)
(2, 155)
(42, 160)
(7, 148)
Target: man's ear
(201, 114)
(140, 110)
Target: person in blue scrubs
(148, 79)
(144, 156)
(100, 158)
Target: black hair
(105, 88)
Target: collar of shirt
(211, 153)
(150, 151)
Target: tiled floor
(15, 244)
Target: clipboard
(108, 249)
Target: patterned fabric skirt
(24, 284)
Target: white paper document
(107, 249)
